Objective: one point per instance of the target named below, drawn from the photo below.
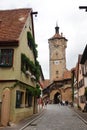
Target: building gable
(11, 25)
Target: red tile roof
(12, 23)
(67, 74)
(46, 83)
(57, 36)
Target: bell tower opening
(57, 98)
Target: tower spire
(56, 28)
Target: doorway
(57, 98)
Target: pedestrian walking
(46, 102)
(42, 102)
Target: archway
(57, 98)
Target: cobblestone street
(58, 118)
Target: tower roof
(57, 35)
(56, 28)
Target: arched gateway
(57, 98)
(58, 91)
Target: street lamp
(83, 7)
(34, 13)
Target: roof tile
(11, 23)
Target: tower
(57, 55)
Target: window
(85, 69)
(66, 82)
(24, 64)
(82, 99)
(29, 40)
(19, 99)
(81, 83)
(6, 57)
(56, 53)
(56, 62)
(28, 99)
(57, 72)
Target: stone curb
(81, 117)
(33, 119)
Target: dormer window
(6, 57)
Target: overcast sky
(71, 20)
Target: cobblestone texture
(58, 118)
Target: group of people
(44, 103)
(63, 103)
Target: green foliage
(37, 70)
(34, 68)
(30, 90)
(33, 45)
(37, 91)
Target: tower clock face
(56, 62)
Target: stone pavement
(25, 122)
(58, 118)
(82, 115)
